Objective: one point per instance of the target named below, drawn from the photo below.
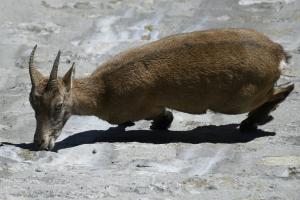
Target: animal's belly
(225, 107)
(229, 99)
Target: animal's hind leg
(162, 121)
(261, 115)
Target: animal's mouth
(46, 145)
(51, 143)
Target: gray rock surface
(202, 157)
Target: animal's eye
(58, 107)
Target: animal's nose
(39, 144)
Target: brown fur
(229, 71)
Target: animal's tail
(287, 57)
(284, 64)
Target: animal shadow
(207, 134)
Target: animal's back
(225, 70)
(209, 44)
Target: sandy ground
(201, 157)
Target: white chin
(51, 143)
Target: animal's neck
(86, 95)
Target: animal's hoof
(157, 126)
(247, 127)
(265, 120)
(163, 122)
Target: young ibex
(229, 71)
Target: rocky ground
(201, 157)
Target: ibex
(230, 71)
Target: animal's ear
(68, 78)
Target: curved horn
(53, 76)
(35, 75)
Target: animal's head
(52, 102)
